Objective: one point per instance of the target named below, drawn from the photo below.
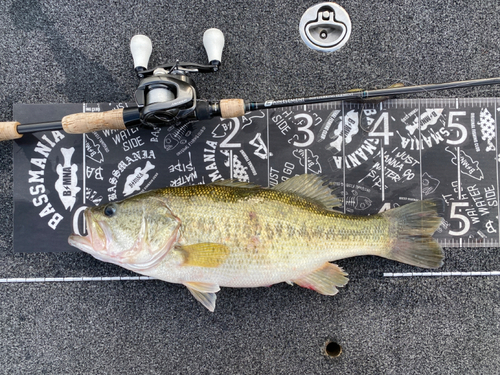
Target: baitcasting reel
(166, 95)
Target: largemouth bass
(233, 234)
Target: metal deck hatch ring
(325, 27)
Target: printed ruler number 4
(386, 134)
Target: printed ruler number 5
(461, 130)
(462, 218)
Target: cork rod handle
(80, 123)
(232, 108)
(8, 131)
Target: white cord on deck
(72, 279)
(434, 274)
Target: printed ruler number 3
(309, 135)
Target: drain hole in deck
(332, 349)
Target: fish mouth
(81, 242)
(84, 244)
(94, 243)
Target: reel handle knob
(141, 48)
(213, 41)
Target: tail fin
(413, 225)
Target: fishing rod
(166, 95)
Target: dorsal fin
(312, 187)
(234, 183)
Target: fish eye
(110, 210)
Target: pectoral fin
(324, 280)
(204, 293)
(205, 254)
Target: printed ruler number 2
(226, 143)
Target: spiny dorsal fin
(204, 254)
(312, 187)
(234, 183)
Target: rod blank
(391, 91)
(120, 119)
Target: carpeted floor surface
(70, 52)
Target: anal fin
(204, 293)
(324, 280)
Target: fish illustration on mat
(236, 234)
(67, 183)
(135, 180)
(429, 184)
(307, 156)
(468, 166)
(427, 118)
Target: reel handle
(213, 41)
(141, 48)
